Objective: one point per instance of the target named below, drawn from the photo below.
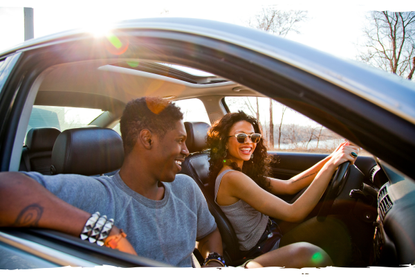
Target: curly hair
(153, 113)
(256, 168)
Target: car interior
(97, 149)
(357, 197)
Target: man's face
(170, 152)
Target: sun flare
(99, 28)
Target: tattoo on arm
(29, 216)
(305, 177)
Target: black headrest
(196, 136)
(87, 151)
(41, 139)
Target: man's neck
(138, 179)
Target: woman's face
(240, 152)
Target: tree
(390, 42)
(284, 108)
(279, 22)
(254, 111)
(311, 137)
(319, 136)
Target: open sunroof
(173, 71)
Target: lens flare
(114, 41)
(98, 28)
(116, 45)
(133, 63)
(317, 258)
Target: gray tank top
(248, 223)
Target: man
(161, 213)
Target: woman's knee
(311, 254)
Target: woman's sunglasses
(241, 138)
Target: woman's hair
(256, 168)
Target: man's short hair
(153, 113)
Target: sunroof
(190, 70)
(179, 72)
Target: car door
(9, 83)
(26, 248)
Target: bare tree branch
(250, 107)
(284, 108)
(411, 73)
(390, 42)
(279, 22)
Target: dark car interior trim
(82, 249)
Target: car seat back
(196, 165)
(37, 154)
(87, 151)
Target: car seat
(87, 151)
(36, 155)
(196, 165)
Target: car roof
(365, 105)
(385, 90)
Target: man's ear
(146, 138)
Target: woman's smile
(240, 152)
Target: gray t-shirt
(164, 230)
(248, 223)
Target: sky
(332, 26)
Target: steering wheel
(334, 188)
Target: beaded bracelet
(214, 257)
(112, 242)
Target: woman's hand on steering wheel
(346, 151)
(344, 155)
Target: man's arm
(211, 243)
(26, 203)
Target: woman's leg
(296, 255)
(332, 235)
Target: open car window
(291, 130)
(192, 109)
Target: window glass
(117, 128)
(291, 130)
(61, 118)
(193, 110)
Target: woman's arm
(303, 179)
(298, 182)
(236, 185)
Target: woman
(239, 165)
